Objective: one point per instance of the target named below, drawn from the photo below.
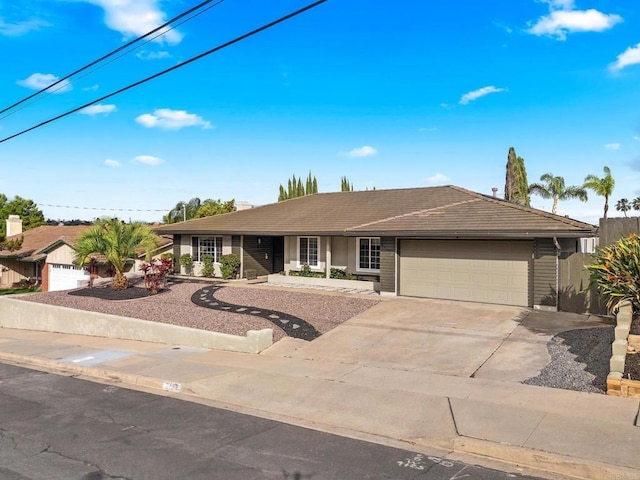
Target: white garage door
(470, 270)
(65, 277)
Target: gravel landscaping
(174, 306)
(579, 360)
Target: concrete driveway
(445, 337)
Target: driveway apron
(436, 336)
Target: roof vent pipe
(495, 192)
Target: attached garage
(65, 277)
(470, 270)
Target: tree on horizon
(345, 185)
(295, 187)
(554, 187)
(601, 186)
(516, 185)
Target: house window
(308, 250)
(369, 254)
(206, 246)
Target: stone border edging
(617, 385)
(292, 326)
(25, 315)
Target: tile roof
(430, 211)
(38, 241)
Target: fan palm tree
(623, 206)
(183, 211)
(118, 242)
(602, 186)
(554, 187)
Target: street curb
(574, 467)
(552, 463)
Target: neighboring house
(437, 242)
(46, 256)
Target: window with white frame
(308, 248)
(369, 254)
(206, 246)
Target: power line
(104, 208)
(110, 54)
(175, 67)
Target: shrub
(207, 265)
(229, 265)
(170, 257)
(186, 260)
(155, 273)
(341, 274)
(306, 272)
(616, 272)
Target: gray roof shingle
(429, 211)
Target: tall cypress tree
(516, 186)
(296, 187)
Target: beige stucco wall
(344, 254)
(185, 247)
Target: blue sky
(389, 94)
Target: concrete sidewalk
(575, 434)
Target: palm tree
(183, 211)
(635, 203)
(553, 187)
(601, 186)
(118, 242)
(623, 206)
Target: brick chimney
(14, 225)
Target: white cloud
(438, 178)
(481, 92)
(112, 163)
(427, 129)
(359, 152)
(97, 109)
(563, 19)
(612, 146)
(15, 29)
(636, 138)
(92, 88)
(148, 160)
(560, 4)
(146, 55)
(38, 81)
(133, 18)
(631, 56)
(167, 119)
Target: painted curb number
(420, 462)
(172, 387)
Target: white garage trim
(65, 277)
(492, 271)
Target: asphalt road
(62, 428)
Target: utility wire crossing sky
(389, 95)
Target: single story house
(46, 256)
(437, 242)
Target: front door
(278, 254)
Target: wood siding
(257, 257)
(388, 264)
(545, 273)
(235, 244)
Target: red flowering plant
(616, 272)
(155, 273)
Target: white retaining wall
(25, 315)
